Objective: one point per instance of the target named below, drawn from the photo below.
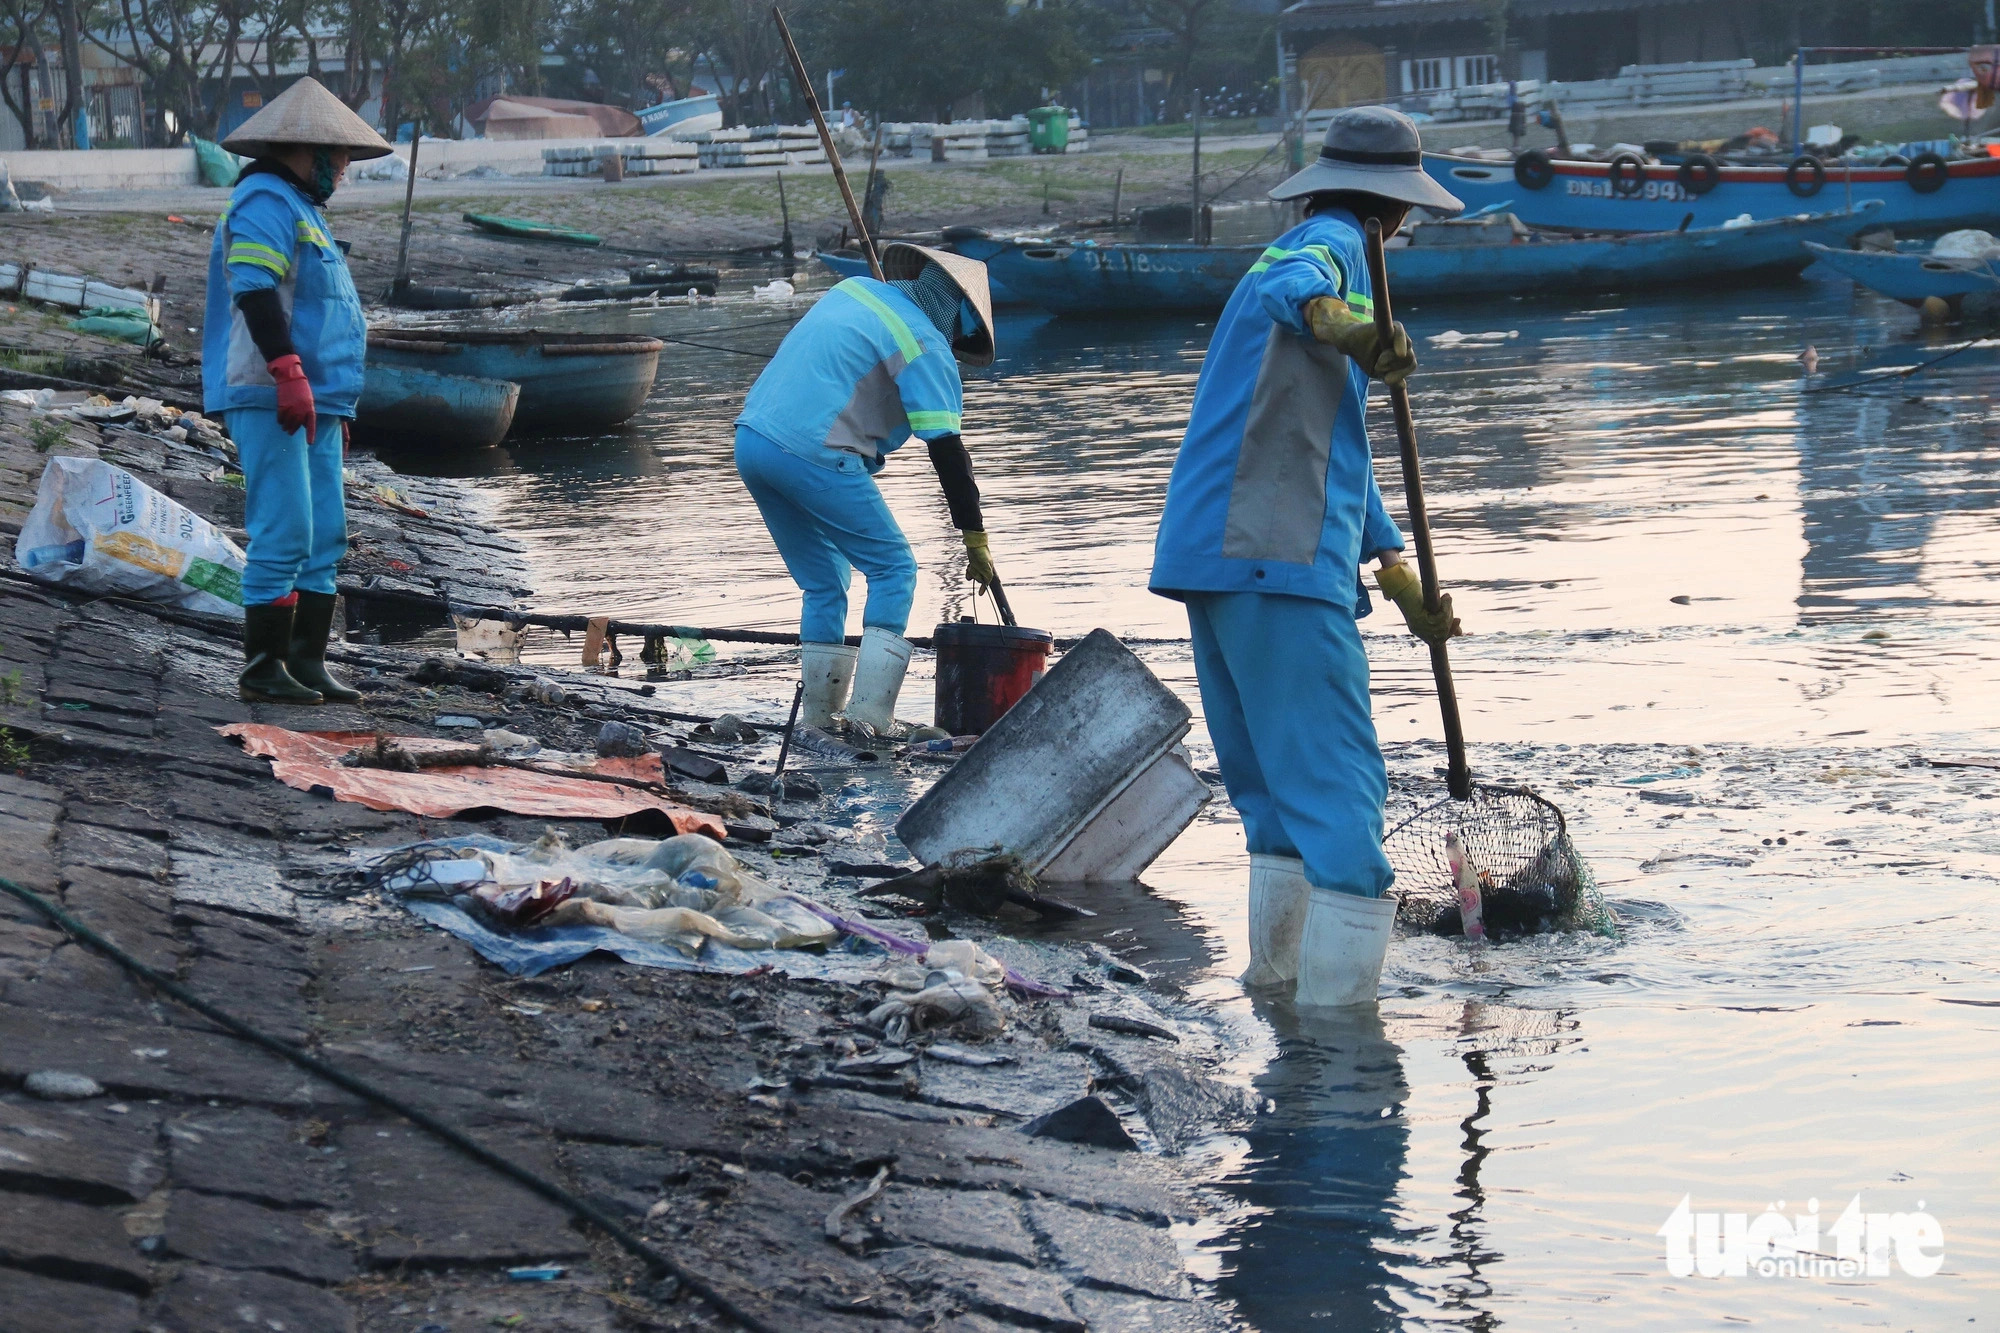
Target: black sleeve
(961, 492)
(270, 329)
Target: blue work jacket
(1273, 490)
(860, 374)
(272, 236)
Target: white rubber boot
(1278, 892)
(827, 670)
(1341, 950)
(878, 678)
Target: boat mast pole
(1194, 210)
(409, 195)
(1798, 100)
(804, 83)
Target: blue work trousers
(294, 506)
(827, 522)
(1284, 682)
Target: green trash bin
(1048, 129)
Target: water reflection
(1327, 1164)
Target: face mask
(324, 176)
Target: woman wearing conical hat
(282, 357)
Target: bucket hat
(306, 115)
(1372, 150)
(902, 262)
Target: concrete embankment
(207, 1177)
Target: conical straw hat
(306, 114)
(902, 262)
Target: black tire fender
(1927, 173)
(1699, 173)
(1534, 170)
(1627, 174)
(1813, 168)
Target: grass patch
(48, 433)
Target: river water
(1722, 619)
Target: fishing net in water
(1533, 878)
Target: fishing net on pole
(1533, 880)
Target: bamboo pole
(826, 140)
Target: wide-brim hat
(307, 115)
(1372, 150)
(902, 262)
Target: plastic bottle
(1465, 876)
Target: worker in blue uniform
(282, 354)
(1271, 511)
(870, 366)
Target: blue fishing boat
(1481, 257)
(1916, 278)
(406, 405)
(570, 382)
(700, 112)
(1928, 194)
(972, 242)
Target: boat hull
(982, 248)
(689, 113)
(1912, 279)
(422, 407)
(1133, 279)
(571, 383)
(1580, 197)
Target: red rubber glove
(295, 395)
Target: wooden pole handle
(1458, 772)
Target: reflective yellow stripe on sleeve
(935, 421)
(311, 234)
(250, 252)
(906, 341)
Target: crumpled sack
(96, 528)
(1970, 243)
(125, 323)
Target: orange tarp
(308, 759)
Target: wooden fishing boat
(571, 383)
(972, 242)
(1914, 279)
(1927, 194)
(526, 229)
(1091, 279)
(409, 406)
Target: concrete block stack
(758, 146)
(1007, 138)
(642, 157)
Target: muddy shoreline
(706, 1110)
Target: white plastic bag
(99, 529)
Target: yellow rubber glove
(1356, 335)
(1400, 584)
(978, 559)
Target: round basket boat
(572, 383)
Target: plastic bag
(218, 166)
(121, 322)
(97, 528)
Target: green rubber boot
(312, 624)
(267, 633)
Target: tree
(911, 59)
(177, 46)
(27, 22)
(1216, 44)
(629, 49)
